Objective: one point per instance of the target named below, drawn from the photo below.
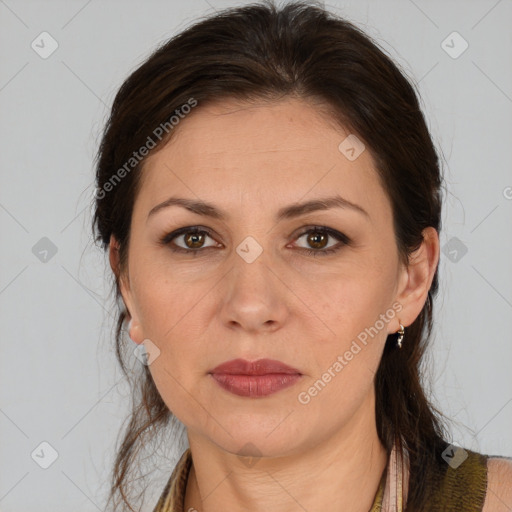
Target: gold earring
(400, 333)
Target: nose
(254, 299)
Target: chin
(259, 439)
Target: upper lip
(259, 367)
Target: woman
(270, 197)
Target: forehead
(268, 152)
(230, 128)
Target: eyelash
(341, 237)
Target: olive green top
(460, 489)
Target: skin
(304, 310)
(499, 485)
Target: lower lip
(256, 385)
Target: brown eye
(194, 240)
(189, 239)
(317, 240)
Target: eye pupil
(315, 239)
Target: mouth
(255, 379)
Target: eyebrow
(287, 212)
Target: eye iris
(196, 238)
(316, 239)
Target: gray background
(59, 380)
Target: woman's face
(260, 283)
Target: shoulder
(499, 485)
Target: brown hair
(256, 52)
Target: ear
(416, 278)
(126, 292)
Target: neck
(342, 470)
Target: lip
(259, 367)
(255, 379)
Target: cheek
(345, 362)
(355, 341)
(357, 310)
(353, 301)
(169, 315)
(164, 301)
